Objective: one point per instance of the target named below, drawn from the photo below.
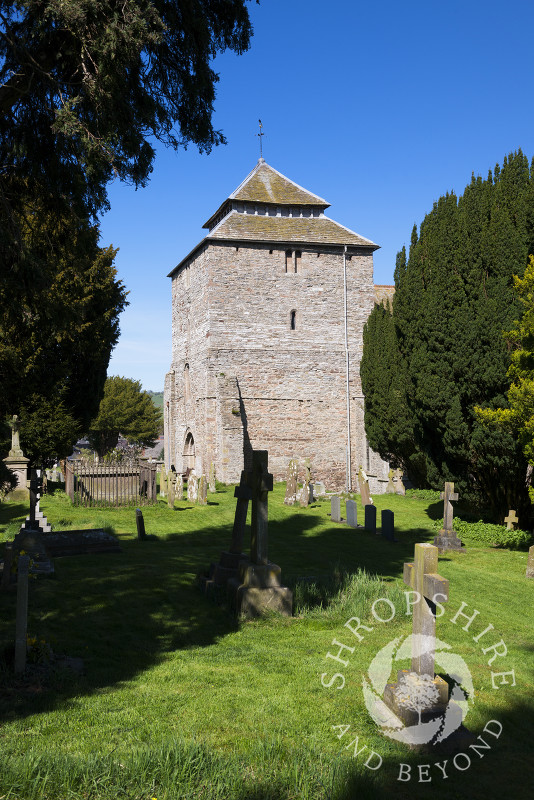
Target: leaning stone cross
(262, 484)
(243, 494)
(422, 577)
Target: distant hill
(157, 399)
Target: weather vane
(260, 134)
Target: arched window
(189, 452)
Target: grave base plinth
(258, 590)
(219, 574)
(395, 700)
(447, 540)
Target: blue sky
(379, 109)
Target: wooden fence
(123, 483)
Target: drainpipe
(347, 388)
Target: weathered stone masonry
(258, 332)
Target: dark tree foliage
(125, 409)
(56, 337)
(388, 420)
(454, 297)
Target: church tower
(267, 322)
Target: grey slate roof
(293, 230)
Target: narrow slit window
(293, 320)
(298, 256)
(288, 259)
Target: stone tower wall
(253, 381)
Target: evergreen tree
(453, 298)
(124, 410)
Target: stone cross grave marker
(262, 484)
(390, 488)
(291, 484)
(16, 450)
(242, 493)
(399, 474)
(511, 520)
(335, 509)
(447, 539)
(422, 576)
(352, 513)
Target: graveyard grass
(180, 700)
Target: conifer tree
(453, 298)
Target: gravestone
(211, 479)
(163, 481)
(319, 489)
(192, 487)
(17, 462)
(202, 498)
(170, 490)
(305, 492)
(219, 574)
(352, 513)
(291, 484)
(447, 539)
(170, 481)
(388, 525)
(399, 474)
(364, 488)
(258, 588)
(530, 564)
(370, 518)
(179, 488)
(511, 520)
(21, 623)
(335, 509)
(390, 488)
(421, 576)
(140, 523)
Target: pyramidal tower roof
(268, 207)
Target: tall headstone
(390, 488)
(335, 509)
(530, 564)
(140, 524)
(304, 499)
(370, 518)
(352, 513)
(192, 487)
(422, 577)
(258, 588)
(179, 487)
(163, 481)
(17, 462)
(211, 479)
(202, 498)
(170, 490)
(399, 475)
(388, 525)
(447, 539)
(291, 484)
